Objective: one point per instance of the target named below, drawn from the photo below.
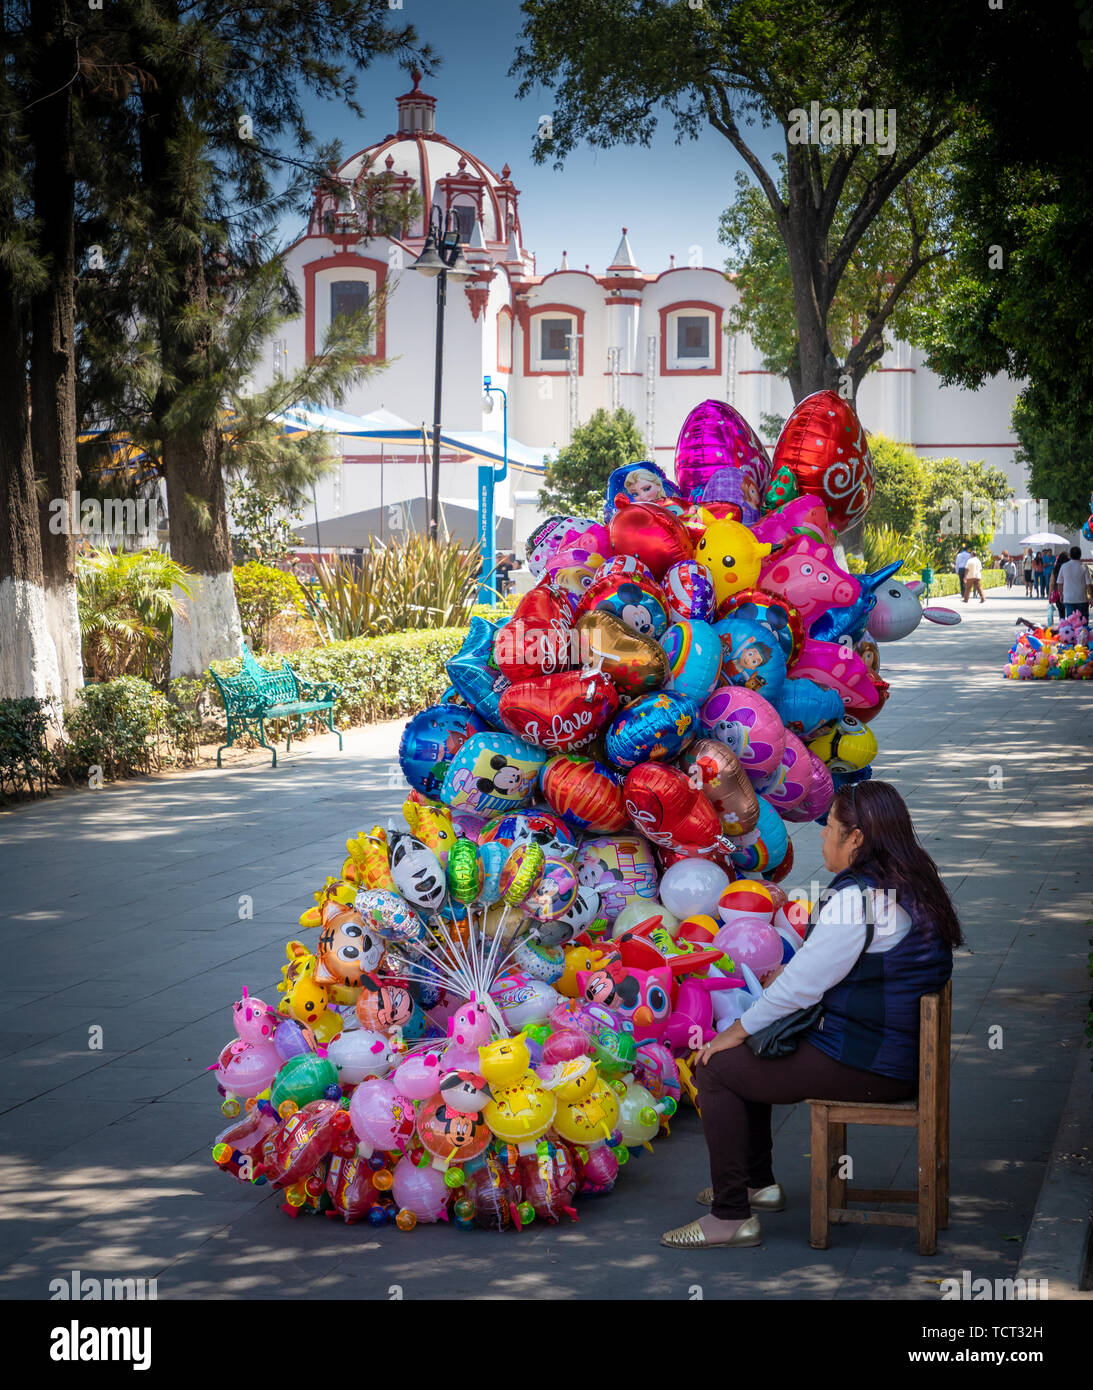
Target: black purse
(780, 1038)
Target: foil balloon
(349, 947)
(620, 868)
(851, 621)
(554, 534)
(824, 447)
(418, 873)
(473, 673)
(848, 747)
(803, 516)
(633, 599)
(388, 914)
(464, 872)
(764, 848)
(805, 706)
(749, 725)
(557, 890)
(818, 798)
(735, 490)
(536, 639)
(655, 728)
(713, 436)
(521, 874)
(694, 658)
(545, 828)
(635, 664)
(787, 786)
(650, 533)
(841, 669)
(805, 573)
(584, 793)
(689, 592)
(753, 657)
(773, 611)
(559, 712)
(431, 739)
(896, 613)
(638, 482)
(732, 555)
(623, 567)
(492, 773)
(667, 809)
(715, 769)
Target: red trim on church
(717, 312)
(336, 262)
(505, 319)
(526, 322)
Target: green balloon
(302, 1079)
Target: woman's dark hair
(891, 852)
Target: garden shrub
(25, 760)
(119, 726)
(263, 593)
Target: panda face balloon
(417, 871)
(897, 612)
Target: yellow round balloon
(520, 1112)
(590, 1119)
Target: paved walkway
(121, 913)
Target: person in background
(1011, 574)
(973, 578)
(1072, 582)
(1038, 575)
(506, 563)
(961, 561)
(1026, 563)
(1055, 591)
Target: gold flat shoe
(771, 1198)
(693, 1237)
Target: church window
(348, 297)
(693, 336)
(554, 339)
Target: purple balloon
(715, 436)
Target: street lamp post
(441, 257)
(488, 475)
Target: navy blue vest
(870, 1018)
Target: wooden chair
(928, 1114)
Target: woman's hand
(731, 1037)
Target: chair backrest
(934, 1027)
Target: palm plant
(881, 545)
(127, 602)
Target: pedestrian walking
(961, 562)
(1027, 566)
(1056, 590)
(973, 578)
(1038, 575)
(1011, 575)
(1073, 577)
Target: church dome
(441, 172)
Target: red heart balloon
(668, 810)
(559, 712)
(536, 640)
(823, 445)
(655, 536)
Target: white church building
(561, 342)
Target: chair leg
(927, 1179)
(330, 721)
(836, 1188)
(819, 1225)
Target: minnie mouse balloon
(559, 712)
(824, 447)
(715, 436)
(652, 534)
(554, 534)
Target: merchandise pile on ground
(504, 996)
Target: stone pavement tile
(38, 1129)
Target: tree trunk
(28, 658)
(53, 314)
(207, 626)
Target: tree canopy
(576, 480)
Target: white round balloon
(692, 887)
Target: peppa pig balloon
(805, 573)
(824, 447)
(714, 436)
(651, 534)
(748, 724)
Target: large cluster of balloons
(504, 997)
(1052, 653)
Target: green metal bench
(255, 695)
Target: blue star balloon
(851, 621)
(473, 674)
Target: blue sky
(669, 196)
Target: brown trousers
(736, 1090)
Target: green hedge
(25, 760)
(380, 677)
(948, 586)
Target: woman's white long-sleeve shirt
(829, 954)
